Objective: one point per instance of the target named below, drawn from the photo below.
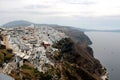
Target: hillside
(50, 52)
(77, 62)
(75, 33)
(18, 23)
(71, 63)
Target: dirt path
(6, 41)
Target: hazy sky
(97, 14)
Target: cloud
(31, 13)
(80, 2)
(83, 3)
(73, 12)
(36, 6)
(68, 7)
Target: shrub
(2, 46)
(10, 50)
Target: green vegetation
(1, 58)
(67, 50)
(5, 55)
(30, 73)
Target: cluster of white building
(31, 43)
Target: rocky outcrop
(77, 63)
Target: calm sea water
(106, 46)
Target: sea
(106, 47)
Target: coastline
(105, 76)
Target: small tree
(10, 50)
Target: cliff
(72, 62)
(76, 62)
(75, 34)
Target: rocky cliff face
(75, 34)
(76, 62)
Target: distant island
(27, 23)
(30, 51)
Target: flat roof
(26, 57)
(20, 54)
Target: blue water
(106, 46)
